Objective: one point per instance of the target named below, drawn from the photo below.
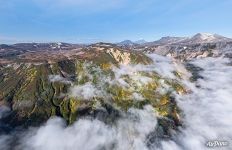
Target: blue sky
(80, 21)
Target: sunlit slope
(102, 81)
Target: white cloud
(128, 132)
(86, 91)
(206, 113)
(207, 109)
(58, 78)
(137, 96)
(163, 65)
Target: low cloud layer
(129, 132)
(58, 78)
(206, 113)
(207, 110)
(86, 91)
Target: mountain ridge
(195, 39)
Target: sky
(86, 21)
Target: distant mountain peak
(204, 36)
(207, 37)
(170, 40)
(141, 41)
(126, 42)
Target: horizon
(91, 21)
(134, 41)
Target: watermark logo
(217, 143)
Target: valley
(111, 86)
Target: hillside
(94, 82)
(144, 93)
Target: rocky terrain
(38, 85)
(200, 45)
(101, 81)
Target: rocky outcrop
(190, 51)
(95, 83)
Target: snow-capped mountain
(199, 45)
(196, 39)
(206, 38)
